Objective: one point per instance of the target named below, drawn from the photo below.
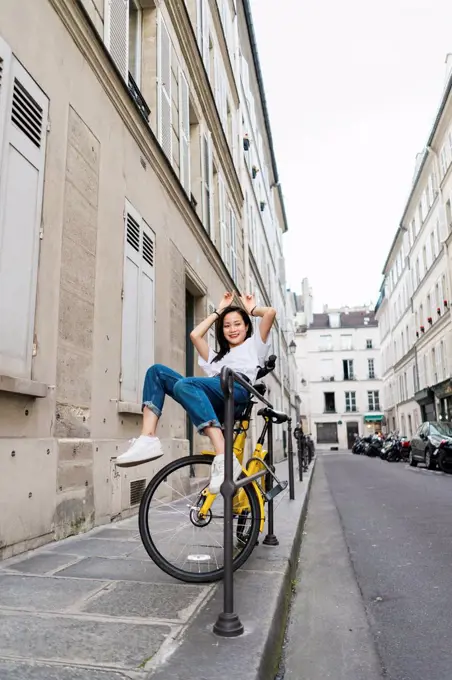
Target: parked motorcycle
(443, 455)
(373, 446)
(358, 446)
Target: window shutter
(117, 33)
(205, 37)
(211, 337)
(212, 188)
(184, 119)
(5, 66)
(137, 351)
(21, 190)
(164, 90)
(223, 227)
(232, 241)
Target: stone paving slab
(44, 594)
(81, 640)
(139, 600)
(117, 570)
(19, 670)
(41, 563)
(98, 547)
(118, 533)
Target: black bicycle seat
(277, 417)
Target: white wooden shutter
(211, 337)
(223, 226)
(232, 241)
(212, 188)
(116, 35)
(5, 67)
(137, 351)
(164, 89)
(184, 120)
(21, 191)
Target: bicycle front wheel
(177, 539)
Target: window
(434, 366)
(444, 287)
(413, 230)
(326, 369)
(369, 344)
(23, 122)
(371, 368)
(443, 360)
(203, 31)
(350, 401)
(207, 180)
(437, 296)
(326, 343)
(448, 214)
(346, 342)
(418, 272)
(135, 29)
(373, 398)
(137, 351)
(327, 433)
(164, 127)
(347, 365)
(330, 402)
(424, 259)
(184, 132)
(433, 245)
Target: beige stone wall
(57, 453)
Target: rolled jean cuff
(210, 423)
(152, 407)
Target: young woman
(202, 398)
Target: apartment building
(338, 357)
(414, 305)
(123, 218)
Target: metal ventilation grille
(27, 114)
(133, 233)
(137, 488)
(148, 249)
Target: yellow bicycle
(181, 523)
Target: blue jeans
(202, 398)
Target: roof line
(260, 84)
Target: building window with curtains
(373, 397)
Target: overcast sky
(353, 88)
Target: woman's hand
(249, 302)
(226, 301)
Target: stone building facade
(122, 221)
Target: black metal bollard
(300, 458)
(290, 460)
(270, 538)
(228, 623)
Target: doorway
(352, 429)
(189, 356)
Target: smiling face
(234, 329)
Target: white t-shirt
(245, 358)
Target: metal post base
(270, 539)
(228, 625)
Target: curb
(275, 639)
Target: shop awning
(373, 417)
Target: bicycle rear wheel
(181, 543)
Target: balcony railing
(139, 99)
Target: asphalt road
(374, 593)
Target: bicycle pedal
(276, 490)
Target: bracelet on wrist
(251, 313)
(217, 313)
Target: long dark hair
(221, 340)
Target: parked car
(425, 444)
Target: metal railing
(228, 623)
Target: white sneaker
(142, 450)
(217, 473)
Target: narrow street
(374, 589)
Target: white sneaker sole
(134, 462)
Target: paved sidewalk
(95, 607)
